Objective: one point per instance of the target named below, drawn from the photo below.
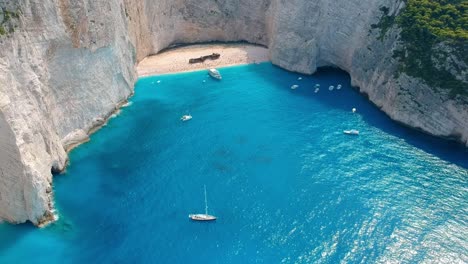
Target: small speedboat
(338, 87)
(331, 87)
(214, 73)
(354, 110)
(295, 86)
(317, 90)
(351, 132)
(186, 118)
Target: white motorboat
(351, 132)
(295, 86)
(317, 90)
(331, 87)
(214, 73)
(338, 87)
(205, 216)
(186, 118)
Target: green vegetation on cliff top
(445, 19)
(431, 32)
(6, 16)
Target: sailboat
(205, 216)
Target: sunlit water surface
(284, 181)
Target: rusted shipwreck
(201, 59)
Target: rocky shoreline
(79, 137)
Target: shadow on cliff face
(214, 42)
(349, 97)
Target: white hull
(215, 74)
(351, 132)
(186, 118)
(202, 217)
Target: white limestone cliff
(69, 63)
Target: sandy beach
(177, 59)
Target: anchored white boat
(351, 132)
(205, 216)
(295, 86)
(214, 73)
(186, 118)
(338, 87)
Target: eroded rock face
(64, 66)
(68, 63)
(12, 176)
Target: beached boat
(213, 56)
(214, 73)
(351, 132)
(186, 117)
(205, 216)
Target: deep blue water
(286, 184)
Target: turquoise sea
(284, 181)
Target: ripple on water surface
(285, 182)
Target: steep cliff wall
(66, 64)
(64, 67)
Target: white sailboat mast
(206, 202)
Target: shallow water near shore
(284, 181)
